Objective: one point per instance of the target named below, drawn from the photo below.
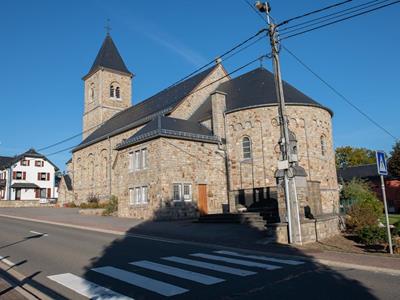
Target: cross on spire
(108, 27)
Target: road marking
(38, 233)
(86, 288)
(209, 266)
(265, 258)
(7, 262)
(147, 283)
(236, 261)
(181, 273)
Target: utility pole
(286, 160)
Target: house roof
(108, 57)
(252, 89)
(364, 172)
(68, 182)
(24, 185)
(5, 161)
(170, 127)
(160, 104)
(30, 153)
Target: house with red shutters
(28, 176)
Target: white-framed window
(18, 175)
(138, 195)
(138, 160)
(246, 145)
(43, 193)
(39, 163)
(25, 162)
(182, 192)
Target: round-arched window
(246, 146)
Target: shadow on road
(309, 280)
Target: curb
(325, 262)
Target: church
(206, 145)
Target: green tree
(394, 161)
(348, 156)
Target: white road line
(7, 262)
(181, 273)
(38, 233)
(236, 261)
(265, 258)
(210, 266)
(87, 288)
(147, 283)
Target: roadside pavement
(8, 291)
(225, 235)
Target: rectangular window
(43, 176)
(144, 194)
(25, 162)
(131, 161)
(177, 192)
(137, 160)
(39, 163)
(18, 175)
(144, 158)
(138, 195)
(187, 192)
(42, 193)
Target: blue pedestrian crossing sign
(381, 163)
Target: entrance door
(17, 194)
(203, 199)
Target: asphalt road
(70, 263)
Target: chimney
(218, 106)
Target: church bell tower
(108, 87)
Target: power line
(313, 12)
(364, 5)
(231, 51)
(339, 93)
(340, 20)
(192, 92)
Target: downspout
(227, 172)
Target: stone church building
(208, 144)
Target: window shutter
(37, 193)
(48, 176)
(38, 176)
(42, 163)
(29, 162)
(49, 193)
(23, 175)
(14, 175)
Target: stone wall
(308, 123)
(172, 161)
(23, 203)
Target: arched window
(323, 145)
(246, 145)
(112, 91)
(117, 93)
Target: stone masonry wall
(172, 161)
(260, 124)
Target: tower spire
(107, 27)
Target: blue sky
(49, 45)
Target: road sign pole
(386, 215)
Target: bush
(366, 208)
(372, 235)
(70, 205)
(396, 229)
(92, 198)
(111, 206)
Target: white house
(28, 176)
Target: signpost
(382, 170)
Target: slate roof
(160, 104)
(255, 88)
(30, 153)
(5, 161)
(108, 57)
(68, 182)
(170, 127)
(364, 172)
(24, 185)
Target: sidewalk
(226, 235)
(7, 291)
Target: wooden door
(203, 208)
(17, 194)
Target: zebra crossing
(221, 262)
